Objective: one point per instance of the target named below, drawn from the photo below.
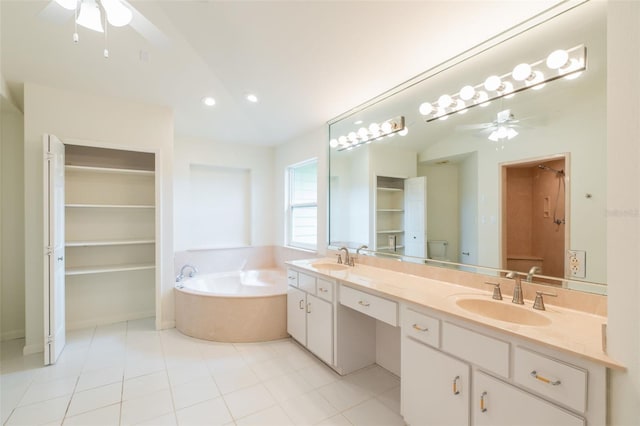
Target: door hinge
(49, 340)
(48, 250)
(48, 155)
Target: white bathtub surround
(188, 384)
(236, 306)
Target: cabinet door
(496, 403)
(320, 328)
(296, 315)
(435, 387)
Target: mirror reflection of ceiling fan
(502, 128)
(97, 14)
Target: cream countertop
(575, 332)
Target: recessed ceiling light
(252, 98)
(208, 101)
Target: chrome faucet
(533, 270)
(517, 288)
(362, 247)
(346, 255)
(180, 276)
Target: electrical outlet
(576, 263)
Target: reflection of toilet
(437, 249)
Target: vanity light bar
(560, 63)
(375, 131)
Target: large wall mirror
(517, 183)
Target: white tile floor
(129, 374)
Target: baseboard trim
(11, 335)
(33, 349)
(94, 322)
(164, 325)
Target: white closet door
(415, 211)
(54, 286)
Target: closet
(110, 228)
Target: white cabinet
(496, 403)
(310, 318)
(435, 386)
(512, 385)
(110, 231)
(320, 328)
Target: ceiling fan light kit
(92, 14)
(561, 63)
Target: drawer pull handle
(483, 405)
(456, 391)
(363, 303)
(301, 303)
(324, 290)
(309, 307)
(551, 382)
(417, 327)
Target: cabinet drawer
(325, 289)
(292, 277)
(483, 351)
(374, 306)
(564, 383)
(307, 283)
(421, 327)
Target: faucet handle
(497, 294)
(539, 303)
(339, 259)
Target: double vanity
(463, 357)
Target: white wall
(113, 123)
(258, 160)
(311, 145)
(11, 221)
(623, 208)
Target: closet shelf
(390, 189)
(390, 248)
(110, 170)
(390, 231)
(391, 210)
(109, 206)
(85, 270)
(98, 243)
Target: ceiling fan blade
(479, 126)
(146, 28)
(55, 13)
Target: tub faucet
(517, 288)
(346, 255)
(180, 276)
(533, 270)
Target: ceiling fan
(503, 127)
(97, 14)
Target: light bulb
(363, 132)
(467, 93)
(404, 131)
(89, 17)
(521, 72)
(386, 127)
(574, 64)
(557, 59)
(444, 101)
(118, 14)
(374, 128)
(343, 140)
(441, 113)
(68, 4)
(536, 78)
(352, 136)
(252, 98)
(208, 101)
(481, 98)
(492, 83)
(508, 90)
(426, 108)
(333, 143)
(461, 106)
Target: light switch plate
(576, 263)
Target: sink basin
(329, 266)
(503, 311)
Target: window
(302, 206)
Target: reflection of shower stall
(534, 212)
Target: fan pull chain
(106, 46)
(76, 38)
